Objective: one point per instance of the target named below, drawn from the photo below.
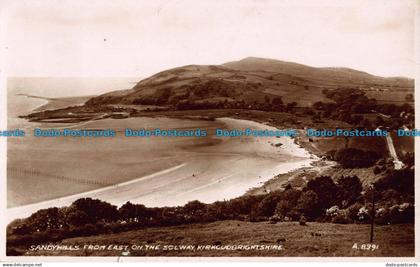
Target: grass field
(314, 239)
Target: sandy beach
(156, 171)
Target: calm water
(54, 88)
(44, 172)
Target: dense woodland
(347, 104)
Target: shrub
(331, 154)
(275, 218)
(399, 180)
(133, 212)
(332, 212)
(349, 189)
(268, 204)
(377, 170)
(356, 158)
(293, 215)
(326, 191)
(95, 209)
(302, 220)
(363, 214)
(353, 211)
(341, 218)
(288, 201)
(308, 204)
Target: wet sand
(158, 171)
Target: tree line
(322, 199)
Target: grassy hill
(253, 80)
(331, 76)
(314, 239)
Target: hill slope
(323, 76)
(248, 81)
(315, 239)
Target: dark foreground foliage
(356, 158)
(322, 200)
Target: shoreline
(296, 177)
(265, 149)
(29, 208)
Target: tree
(290, 106)
(217, 211)
(268, 204)
(133, 212)
(44, 219)
(389, 109)
(95, 209)
(309, 205)
(357, 119)
(326, 190)
(277, 101)
(350, 189)
(194, 208)
(76, 217)
(288, 201)
(345, 116)
(316, 117)
(366, 123)
(379, 121)
(409, 97)
(399, 180)
(242, 205)
(318, 105)
(356, 158)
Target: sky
(139, 38)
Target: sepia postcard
(272, 129)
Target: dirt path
(397, 163)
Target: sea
(158, 171)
